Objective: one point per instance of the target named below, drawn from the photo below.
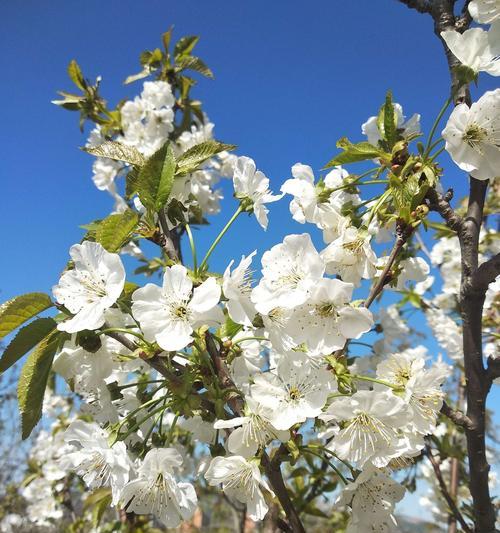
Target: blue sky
(291, 78)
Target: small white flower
(370, 422)
(155, 491)
(297, 391)
(350, 256)
(95, 461)
(169, 314)
(94, 285)
(372, 498)
(237, 286)
(326, 320)
(408, 127)
(485, 11)
(476, 48)
(472, 136)
(252, 186)
(241, 480)
(414, 269)
(253, 430)
(290, 271)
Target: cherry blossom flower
(485, 11)
(91, 287)
(237, 287)
(241, 480)
(155, 491)
(472, 136)
(295, 392)
(251, 187)
(290, 270)
(169, 314)
(476, 48)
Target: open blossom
(237, 287)
(251, 187)
(350, 256)
(326, 320)
(290, 270)
(253, 430)
(295, 392)
(156, 491)
(372, 497)
(408, 127)
(485, 11)
(412, 269)
(169, 314)
(91, 287)
(241, 480)
(369, 430)
(476, 48)
(99, 464)
(472, 136)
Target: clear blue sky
(291, 78)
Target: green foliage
(185, 45)
(353, 153)
(20, 309)
(33, 381)
(76, 75)
(156, 178)
(191, 159)
(26, 339)
(386, 123)
(118, 152)
(194, 63)
(116, 230)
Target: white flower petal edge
(94, 285)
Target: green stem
(377, 206)
(122, 330)
(435, 143)
(128, 385)
(219, 237)
(332, 466)
(435, 125)
(172, 428)
(251, 339)
(437, 153)
(193, 248)
(375, 380)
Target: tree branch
(422, 6)
(459, 418)
(444, 491)
(167, 242)
(486, 273)
(441, 204)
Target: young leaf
(115, 230)
(156, 178)
(390, 130)
(76, 75)
(33, 380)
(355, 152)
(26, 339)
(185, 45)
(117, 151)
(191, 159)
(18, 310)
(144, 73)
(194, 63)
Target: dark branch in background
(473, 285)
(444, 491)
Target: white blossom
(91, 287)
(237, 287)
(485, 11)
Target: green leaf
(76, 75)
(115, 230)
(117, 151)
(144, 73)
(156, 178)
(166, 38)
(18, 310)
(355, 152)
(33, 381)
(194, 63)
(191, 159)
(185, 45)
(390, 130)
(26, 339)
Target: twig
(459, 418)
(167, 242)
(441, 204)
(444, 491)
(422, 6)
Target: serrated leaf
(33, 381)
(115, 230)
(118, 152)
(355, 152)
(144, 73)
(390, 129)
(156, 178)
(191, 159)
(26, 339)
(166, 38)
(194, 63)
(185, 45)
(76, 75)
(20, 309)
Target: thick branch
(444, 491)
(441, 204)
(422, 6)
(486, 274)
(459, 418)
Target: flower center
(326, 310)
(354, 247)
(474, 135)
